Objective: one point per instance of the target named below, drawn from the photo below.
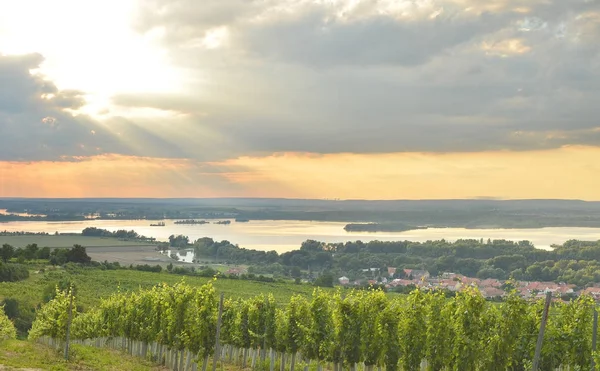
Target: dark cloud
(320, 76)
(379, 40)
(445, 76)
(33, 120)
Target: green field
(66, 241)
(94, 284)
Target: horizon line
(495, 199)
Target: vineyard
(7, 328)
(178, 325)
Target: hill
(478, 213)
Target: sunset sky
(373, 99)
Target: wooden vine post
(70, 316)
(217, 345)
(540, 340)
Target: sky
(371, 99)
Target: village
(490, 288)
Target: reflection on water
(185, 256)
(286, 235)
(5, 212)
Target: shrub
(13, 272)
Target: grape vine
(342, 329)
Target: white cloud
(87, 46)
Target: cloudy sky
(373, 99)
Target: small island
(242, 220)
(159, 224)
(379, 227)
(223, 222)
(191, 221)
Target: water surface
(286, 235)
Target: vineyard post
(594, 338)
(263, 350)
(217, 345)
(540, 340)
(70, 314)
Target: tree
(179, 241)
(58, 256)
(296, 272)
(311, 246)
(43, 253)
(324, 280)
(78, 255)
(7, 252)
(13, 273)
(31, 251)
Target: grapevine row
(340, 330)
(7, 328)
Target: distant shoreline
(351, 226)
(381, 216)
(380, 227)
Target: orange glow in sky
(570, 172)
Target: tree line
(57, 256)
(121, 233)
(575, 262)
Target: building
(593, 292)
(416, 274)
(236, 271)
(491, 292)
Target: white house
(344, 280)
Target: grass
(66, 241)
(16, 354)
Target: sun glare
(216, 37)
(87, 46)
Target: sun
(88, 46)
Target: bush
(13, 272)
(324, 280)
(149, 268)
(78, 255)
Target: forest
(574, 262)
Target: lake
(286, 235)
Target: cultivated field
(93, 284)
(98, 248)
(66, 241)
